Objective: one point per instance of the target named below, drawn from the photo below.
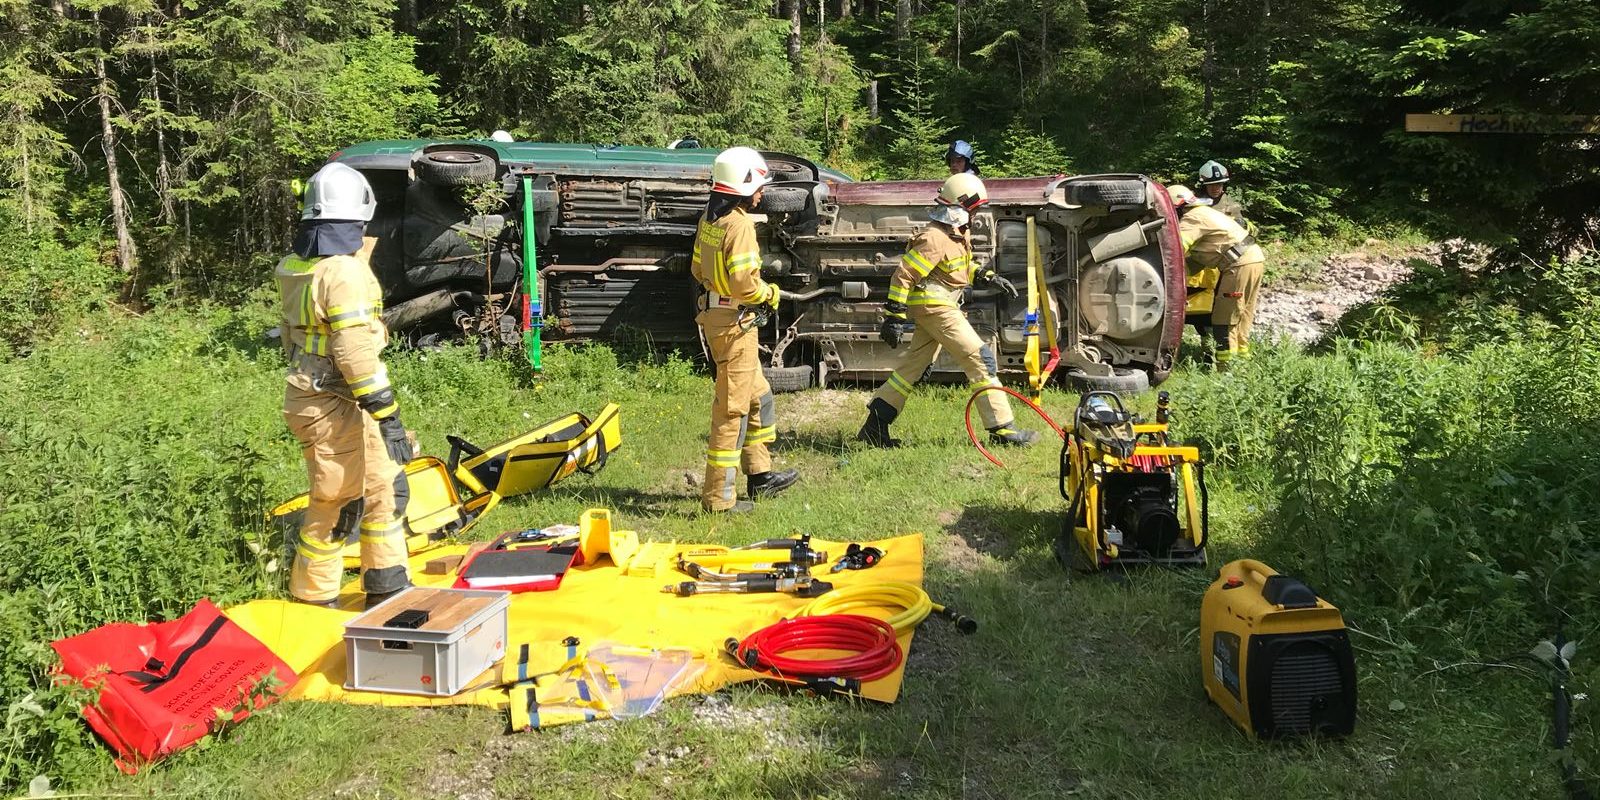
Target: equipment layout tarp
(596, 603)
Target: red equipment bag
(159, 686)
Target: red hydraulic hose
(972, 433)
(871, 640)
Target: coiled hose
(871, 640)
(913, 603)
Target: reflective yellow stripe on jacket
(933, 293)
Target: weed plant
(1441, 490)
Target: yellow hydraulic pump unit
(1275, 657)
(539, 458)
(1133, 497)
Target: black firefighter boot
(875, 431)
(771, 483)
(382, 584)
(1012, 437)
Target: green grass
(1074, 686)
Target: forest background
(159, 138)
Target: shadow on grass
(1001, 531)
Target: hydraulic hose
(972, 433)
(872, 642)
(912, 602)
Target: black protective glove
(1006, 287)
(394, 439)
(890, 332)
(895, 325)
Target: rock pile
(1345, 280)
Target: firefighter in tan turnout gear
(727, 264)
(1212, 240)
(925, 296)
(338, 401)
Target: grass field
(1082, 687)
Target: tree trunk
(1208, 62)
(959, 48)
(1044, 39)
(406, 11)
(872, 101)
(127, 253)
(791, 10)
(842, 11)
(164, 184)
(27, 187)
(902, 21)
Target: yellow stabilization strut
(1030, 330)
(1040, 326)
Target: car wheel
(1121, 381)
(778, 199)
(788, 379)
(451, 168)
(1106, 193)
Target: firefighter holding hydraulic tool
(925, 295)
(727, 264)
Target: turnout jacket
(936, 267)
(333, 329)
(727, 261)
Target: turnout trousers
(1238, 287)
(946, 327)
(742, 418)
(351, 472)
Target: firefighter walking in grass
(1212, 240)
(727, 264)
(338, 401)
(925, 296)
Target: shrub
(45, 284)
(1447, 486)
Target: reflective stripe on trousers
(741, 392)
(946, 327)
(346, 461)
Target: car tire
(1106, 193)
(788, 379)
(452, 168)
(1122, 381)
(779, 199)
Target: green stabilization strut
(532, 310)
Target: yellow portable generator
(1133, 497)
(1275, 657)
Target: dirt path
(1303, 310)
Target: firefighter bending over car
(727, 264)
(338, 401)
(925, 295)
(1212, 240)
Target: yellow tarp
(595, 603)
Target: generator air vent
(1305, 678)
